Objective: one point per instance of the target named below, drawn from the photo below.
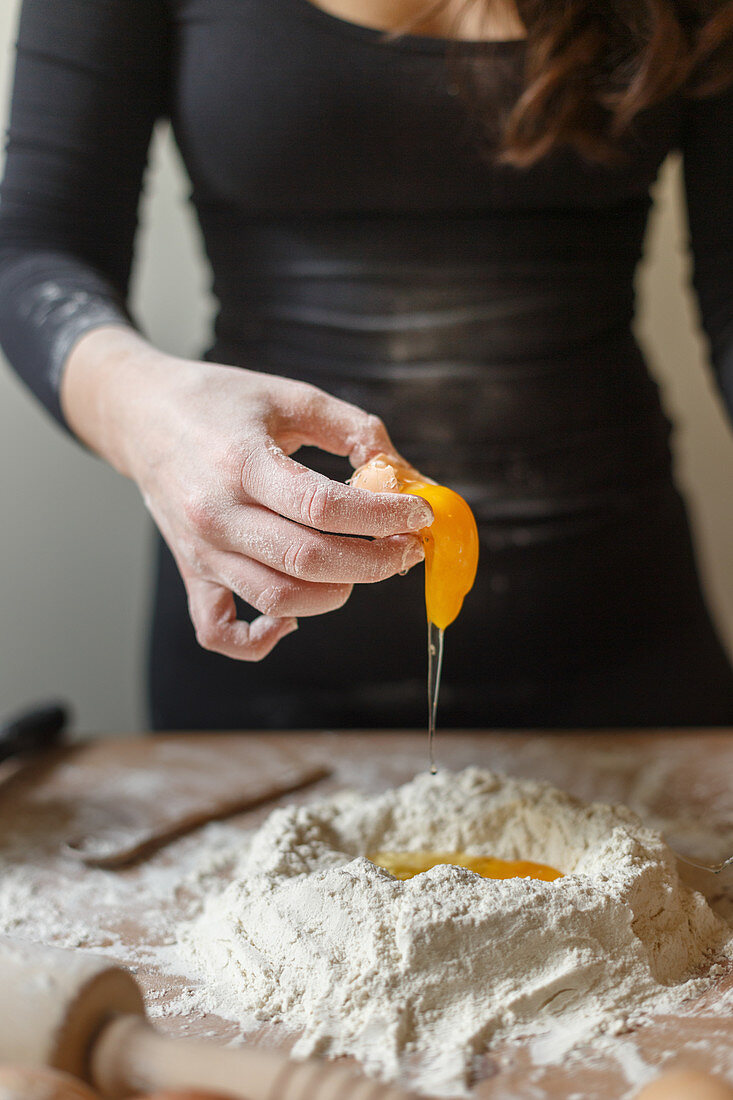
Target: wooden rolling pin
(76, 1012)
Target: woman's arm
(708, 159)
(91, 78)
(208, 445)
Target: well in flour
(417, 977)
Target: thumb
(338, 427)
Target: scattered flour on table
(417, 978)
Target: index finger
(285, 486)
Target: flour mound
(417, 978)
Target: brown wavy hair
(592, 66)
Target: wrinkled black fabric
(360, 238)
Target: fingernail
(420, 515)
(291, 628)
(409, 557)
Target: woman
(439, 226)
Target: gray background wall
(75, 538)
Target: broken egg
(451, 556)
(451, 540)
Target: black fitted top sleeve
(92, 77)
(90, 82)
(708, 157)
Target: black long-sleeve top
(361, 238)
(290, 117)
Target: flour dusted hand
(209, 447)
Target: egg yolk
(451, 551)
(404, 865)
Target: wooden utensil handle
(131, 1057)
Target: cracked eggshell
(385, 474)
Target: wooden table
(680, 781)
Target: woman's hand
(209, 448)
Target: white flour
(446, 964)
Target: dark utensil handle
(30, 731)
